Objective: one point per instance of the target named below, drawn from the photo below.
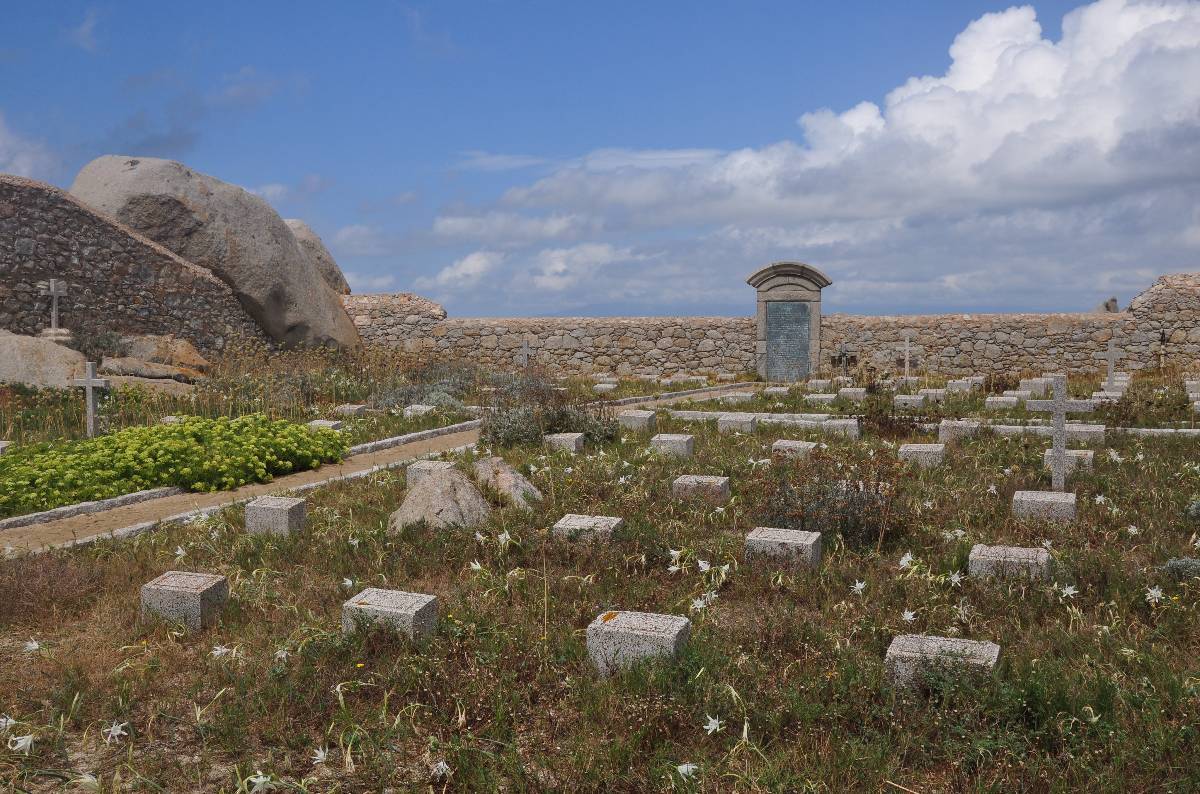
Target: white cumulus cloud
(464, 273)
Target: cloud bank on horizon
(1033, 174)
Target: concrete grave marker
(413, 615)
(679, 445)
(55, 288)
(350, 409)
(908, 401)
(910, 657)
(1008, 561)
(193, 599)
(1044, 506)
(617, 640)
(790, 546)
(788, 329)
(788, 448)
(565, 442)
(413, 411)
(325, 424)
(924, 455)
(581, 527)
(639, 421)
(954, 429)
(701, 487)
(737, 423)
(275, 515)
(89, 383)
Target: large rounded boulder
(312, 245)
(230, 231)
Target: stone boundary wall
(1163, 321)
(117, 280)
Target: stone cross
(523, 355)
(1110, 384)
(1058, 408)
(89, 383)
(55, 288)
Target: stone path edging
(80, 508)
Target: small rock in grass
(502, 478)
(442, 499)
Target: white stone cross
(55, 288)
(1110, 384)
(1058, 408)
(524, 353)
(89, 383)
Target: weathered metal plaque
(788, 340)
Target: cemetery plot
(776, 673)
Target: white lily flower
(114, 732)
(686, 770)
(858, 587)
(712, 725)
(319, 755)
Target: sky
(558, 158)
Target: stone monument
(788, 341)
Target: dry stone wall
(117, 280)
(1163, 323)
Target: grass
(1098, 689)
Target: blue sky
(642, 158)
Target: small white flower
(686, 770)
(220, 650)
(1100, 499)
(1132, 530)
(993, 490)
(673, 569)
(1154, 595)
(180, 552)
(724, 569)
(479, 538)
(1070, 591)
(259, 782)
(568, 470)
(353, 542)
(503, 539)
(1140, 457)
(906, 561)
(927, 504)
(441, 770)
(6, 723)
(319, 755)
(703, 565)
(675, 554)
(21, 744)
(909, 616)
(475, 566)
(858, 587)
(347, 583)
(114, 732)
(956, 579)
(718, 510)
(282, 655)
(33, 646)
(1007, 470)
(712, 725)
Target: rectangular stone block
(701, 487)
(325, 424)
(790, 546)
(193, 599)
(955, 429)
(1191, 385)
(1035, 386)
(602, 378)
(976, 381)
(852, 394)
(821, 399)
(170, 420)
(908, 401)
(1008, 561)
(1020, 394)
(4, 445)
(933, 395)
(996, 402)
(275, 515)
(1076, 458)
(737, 397)
(788, 448)
(737, 423)
(413, 615)
(924, 455)
(912, 657)
(565, 442)
(350, 410)
(579, 527)
(413, 411)
(680, 445)
(1099, 397)
(818, 385)
(1044, 505)
(419, 470)
(618, 640)
(776, 391)
(604, 388)
(848, 428)
(961, 386)
(843, 380)
(901, 382)
(638, 421)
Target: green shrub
(196, 454)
